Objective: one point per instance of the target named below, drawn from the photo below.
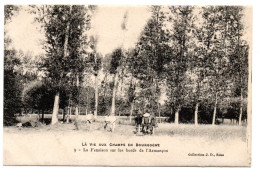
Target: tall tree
(238, 53)
(150, 56)
(214, 41)
(79, 21)
(12, 85)
(182, 27)
(116, 58)
(94, 63)
(132, 95)
(64, 26)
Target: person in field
(110, 122)
(89, 117)
(148, 123)
(138, 122)
(152, 125)
(146, 120)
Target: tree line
(189, 63)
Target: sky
(106, 25)
(25, 33)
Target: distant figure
(76, 124)
(138, 119)
(110, 121)
(153, 124)
(138, 122)
(19, 125)
(146, 120)
(89, 117)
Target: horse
(147, 123)
(138, 123)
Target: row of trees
(186, 57)
(198, 55)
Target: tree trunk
(159, 112)
(105, 88)
(57, 96)
(196, 114)
(42, 115)
(96, 97)
(215, 110)
(69, 111)
(55, 111)
(176, 121)
(76, 112)
(214, 115)
(241, 109)
(39, 113)
(64, 114)
(249, 95)
(69, 114)
(87, 101)
(114, 95)
(131, 111)
(77, 105)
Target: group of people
(145, 123)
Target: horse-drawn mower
(145, 124)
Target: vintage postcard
(143, 85)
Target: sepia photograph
(127, 85)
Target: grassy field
(217, 132)
(126, 128)
(47, 144)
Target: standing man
(146, 121)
